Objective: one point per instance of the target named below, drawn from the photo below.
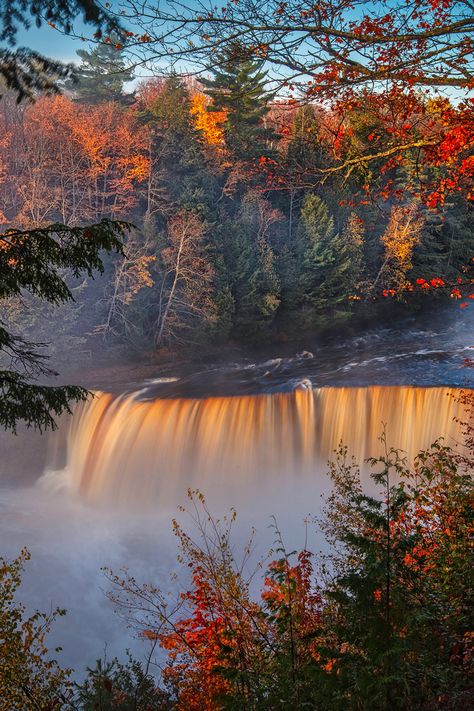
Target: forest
(243, 227)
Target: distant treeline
(244, 229)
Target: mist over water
(255, 436)
(126, 452)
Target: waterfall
(124, 451)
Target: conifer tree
(446, 243)
(315, 253)
(305, 155)
(24, 70)
(324, 268)
(238, 87)
(178, 151)
(348, 261)
(35, 261)
(251, 263)
(102, 74)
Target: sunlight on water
(124, 452)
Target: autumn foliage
(380, 176)
(207, 121)
(397, 61)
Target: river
(253, 434)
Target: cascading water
(125, 451)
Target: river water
(254, 434)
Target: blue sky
(52, 43)
(55, 44)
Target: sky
(52, 43)
(55, 44)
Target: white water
(129, 463)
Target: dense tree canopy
(167, 158)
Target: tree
(226, 650)
(349, 263)
(305, 151)
(113, 686)
(238, 88)
(383, 621)
(207, 121)
(401, 628)
(399, 240)
(132, 273)
(71, 162)
(304, 154)
(102, 74)
(186, 292)
(378, 57)
(178, 155)
(32, 260)
(29, 677)
(325, 264)
(37, 321)
(24, 70)
(252, 263)
(446, 242)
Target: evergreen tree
(35, 261)
(251, 268)
(348, 263)
(101, 75)
(315, 253)
(27, 72)
(181, 165)
(238, 87)
(324, 267)
(447, 242)
(121, 687)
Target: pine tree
(315, 252)
(238, 88)
(446, 243)
(101, 75)
(348, 262)
(252, 268)
(35, 261)
(324, 268)
(27, 72)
